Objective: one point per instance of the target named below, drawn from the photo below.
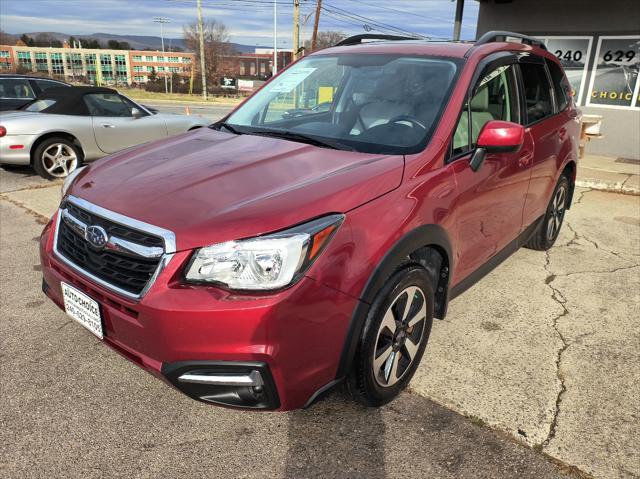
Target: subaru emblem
(96, 236)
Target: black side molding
(495, 260)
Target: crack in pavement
(582, 193)
(559, 298)
(577, 236)
(40, 218)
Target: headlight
(68, 181)
(263, 263)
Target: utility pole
(275, 38)
(316, 22)
(296, 28)
(202, 61)
(162, 21)
(457, 26)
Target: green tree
(153, 76)
(90, 43)
(27, 40)
(116, 45)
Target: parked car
(18, 90)
(262, 261)
(64, 127)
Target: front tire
(55, 158)
(394, 337)
(547, 233)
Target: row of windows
(160, 59)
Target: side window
(15, 88)
(537, 92)
(107, 104)
(560, 85)
(495, 99)
(46, 84)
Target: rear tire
(394, 337)
(55, 158)
(546, 234)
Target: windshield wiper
(224, 124)
(302, 138)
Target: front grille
(128, 272)
(114, 229)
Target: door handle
(108, 125)
(562, 134)
(525, 158)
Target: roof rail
(501, 36)
(356, 39)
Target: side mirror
(136, 113)
(497, 137)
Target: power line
(413, 14)
(369, 21)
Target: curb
(610, 186)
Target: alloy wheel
(399, 336)
(556, 214)
(59, 160)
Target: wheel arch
(57, 134)
(428, 246)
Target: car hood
(209, 186)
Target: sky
(248, 21)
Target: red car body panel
(209, 187)
(239, 177)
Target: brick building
(103, 67)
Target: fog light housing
(235, 384)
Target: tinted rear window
(537, 92)
(560, 85)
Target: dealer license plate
(83, 309)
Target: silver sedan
(64, 127)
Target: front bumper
(293, 337)
(10, 154)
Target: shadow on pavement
(336, 438)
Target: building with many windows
(100, 67)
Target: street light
(162, 21)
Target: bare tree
(216, 47)
(326, 39)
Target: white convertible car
(64, 127)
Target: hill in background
(137, 42)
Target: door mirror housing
(497, 136)
(136, 113)
(501, 137)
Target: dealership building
(598, 42)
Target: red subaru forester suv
(310, 237)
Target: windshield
(368, 103)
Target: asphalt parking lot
(533, 373)
(212, 112)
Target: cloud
(247, 22)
